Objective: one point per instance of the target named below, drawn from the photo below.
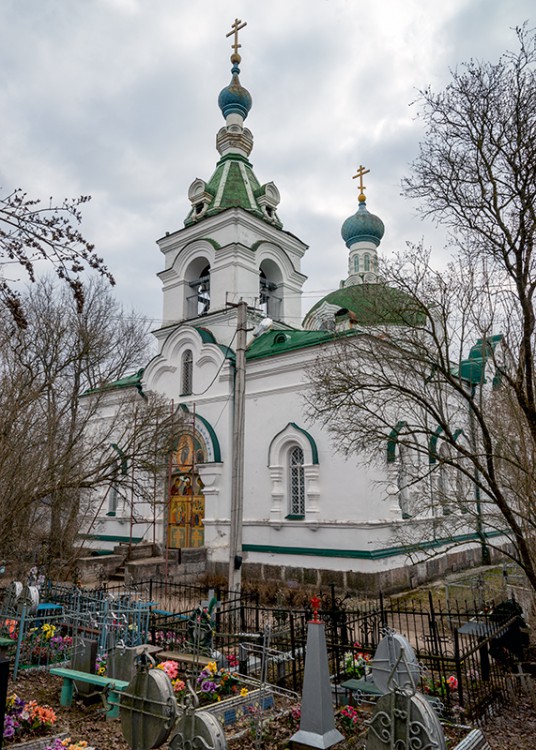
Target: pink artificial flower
(170, 667)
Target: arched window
(199, 297)
(113, 498)
(296, 482)
(269, 288)
(294, 471)
(187, 373)
(356, 263)
(402, 480)
(399, 454)
(366, 261)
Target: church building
(307, 513)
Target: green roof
(279, 342)
(128, 381)
(374, 304)
(473, 368)
(232, 185)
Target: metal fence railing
(465, 652)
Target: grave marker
(83, 660)
(317, 723)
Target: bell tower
(233, 245)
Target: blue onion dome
(362, 226)
(234, 98)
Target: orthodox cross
(235, 28)
(315, 604)
(361, 171)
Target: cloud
(118, 99)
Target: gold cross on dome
(235, 28)
(361, 171)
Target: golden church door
(186, 516)
(186, 499)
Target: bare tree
(48, 457)
(453, 384)
(31, 232)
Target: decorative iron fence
(465, 652)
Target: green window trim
(392, 441)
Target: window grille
(296, 482)
(356, 264)
(187, 373)
(366, 260)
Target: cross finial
(235, 28)
(361, 171)
(315, 604)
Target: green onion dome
(362, 226)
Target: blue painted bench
(70, 676)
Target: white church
(309, 514)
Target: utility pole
(237, 480)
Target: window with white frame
(296, 482)
(187, 371)
(294, 471)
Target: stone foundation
(392, 581)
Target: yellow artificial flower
(244, 692)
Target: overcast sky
(118, 99)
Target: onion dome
(234, 98)
(362, 226)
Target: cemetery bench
(364, 686)
(171, 615)
(185, 659)
(113, 686)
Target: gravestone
(198, 729)
(402, 717)
(83, 660)
(317, 721)
(11, 597)
(29, 599)
(401, 720)
(148, 709)
(150, 714)
(121, 662)
(395, 664)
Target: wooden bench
(70, 676)
(185, 659)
